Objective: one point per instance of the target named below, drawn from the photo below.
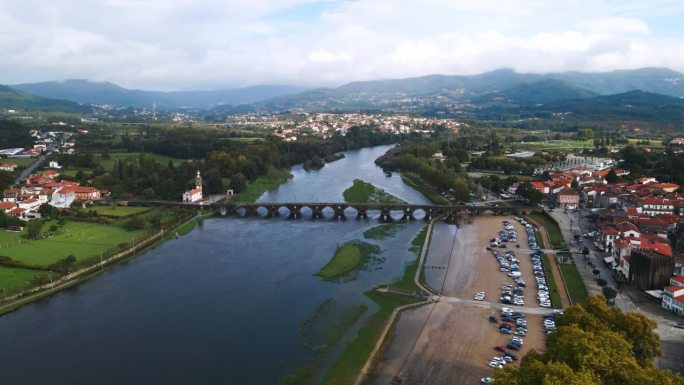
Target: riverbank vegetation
(594, 345)
(262, 184)
(331, 320)
(428, 191)
(383, 231)
(354, 356)
(364, 192)
(417, 159)
(349, 259)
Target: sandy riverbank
(451, 343)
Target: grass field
(108, 164)
(428, 191)
(21, 162)
(348, 258)
(383, 231)
(543, 219)
(14, 279)
(574, 283)
(355, 354)
(555, 144)
(363, 192)
(77, 238)
(120, 211)
(262, 184)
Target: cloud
(616, 25)
(190, 44)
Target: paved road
(29, 170)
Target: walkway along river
(223, 304)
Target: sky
(213, 44)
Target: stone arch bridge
(385, 212)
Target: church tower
(198, 181)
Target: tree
(609, 292)
(526, 191)
(238, 182)
(594, 344)
(612, 177)
(34, 228)
(585, 134)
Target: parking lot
(453, 342)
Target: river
(220, 305)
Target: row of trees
(415, 158)
(594, 345)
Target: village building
(568, 198)
(194, 195)
(673, 296)
(8, 167)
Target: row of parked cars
(537, 269)
(508, 318)
(550, 321)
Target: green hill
(538, 93)
(11, 99)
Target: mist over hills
(85, 91)
(13, 99)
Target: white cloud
(182, 44)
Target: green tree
(34, 229)
(612, 177)
(238, 182)
(609, 292)
(585, 134)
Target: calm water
(221, 305)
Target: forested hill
(635, 104)
(12, 99)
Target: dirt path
(555, 270)
(451, 342)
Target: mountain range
(85, 91)
(11, 98)
(503, 90)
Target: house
(31, 204)
(10, 195)
(8, 166)
(540, 186)
(7, 206)
(656, 205)
(54, 164)
(17, 212)
(568, 198)
(49, 174)
(439, 156)
(82, 193)
(673, 296)
(62, 199)
(664, 187)
(195, 194)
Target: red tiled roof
(7, 205)
(17, 211)
(678, 279)
(77, 189)
(193, 191)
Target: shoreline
(87, 273)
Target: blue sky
(209, 44)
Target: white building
(673, 296)
(62, 199)
(194, 195)
(54, 164)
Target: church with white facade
(194, 195)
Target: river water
(221, 305)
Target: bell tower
(198, 181)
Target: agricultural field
(79, 239)
(21, 162)
(14, 279)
